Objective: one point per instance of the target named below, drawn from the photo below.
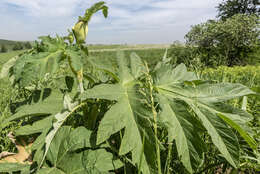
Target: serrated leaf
(37, 127)
(222, 136)
(137, 65)
(214, 93)
(100, 161)
(75, 58)
(61, 117)
(93, 9)
(43, 103)
(202, 98)
(129, 113)
(183, 129)
(63, 157)
(165, 76)
(32, 67)
(43, 106)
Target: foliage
(18, 46)
(89, 115)
(187, 54)
(229, 8)
(7, 94)
(225, 42)
(151, 56)
(249, 76)
(3, 49)
(254, 57)
(27, 45)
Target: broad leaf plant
(91, 116)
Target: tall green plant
(118, 116)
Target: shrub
(230, 41)
(3, 49)
(27, 45)
(229, 8)
(18, 46)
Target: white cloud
(129, 21)
(49, 8)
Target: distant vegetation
(3, 49)
(231, 39)
(8, 45)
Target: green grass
(152, 56)
(7, 95)
(7, 43)
(101, 46)
(127, 47)
(4, 57)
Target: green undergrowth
(249, 76)
(7, 96)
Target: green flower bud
(80, 31)
(71, 38)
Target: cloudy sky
(129, 21)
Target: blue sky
(129, 21)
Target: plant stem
(209, 167)
(168, 161)
(154, 119)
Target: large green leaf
(42, 103)
(211, 93)
(7, 66)
(44, 59)
(75, 58)
(129, 113)
(166, 77)
(202, 99)
(63, 158)
(183, 129)
(222, 136)
(37, 127)
(69, 108)
(14, 167)
(41, 109)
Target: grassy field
(151, 55)
(100, 47)
(9, 44)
